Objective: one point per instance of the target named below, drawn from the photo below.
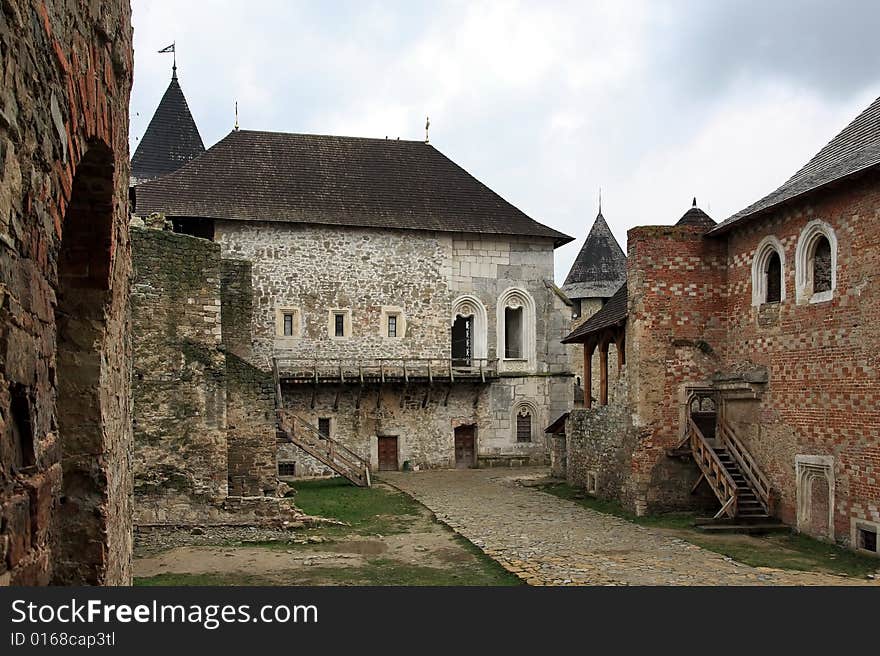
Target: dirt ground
(420, 551)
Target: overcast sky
(545, 102)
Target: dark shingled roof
(171, 140)
(599, 268)
(304, 178)
(855, 149)
(696, 217)
(612, 313)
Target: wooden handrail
(716, 473)
(332, 453)
(759, 482)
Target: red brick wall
(823, 394)
(65, 491)
(675, 335)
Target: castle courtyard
(546, 540)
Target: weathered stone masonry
(203, 417)
(65, 434)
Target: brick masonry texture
(316, 269)
(692, 324)
(65, 433)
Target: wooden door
(465, 454)
(387, 453)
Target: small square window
(392, 325)
(287, 469)
(339, 325)
(867, 539)
(324, 426)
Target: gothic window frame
(515, 298)
(469, 306)
(769, 246)
(532, 410)
(805, 261)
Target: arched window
(524, 425)
(773, 272)
(768, 272)
(516, 331)
(816, 263)
(469, 331)
(525, 422)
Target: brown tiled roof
(171, 140)
(600, 266)
(611, 314)
(304, 178)
(855, 149)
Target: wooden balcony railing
(383, 370)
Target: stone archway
(83, 299)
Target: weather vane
(427, 125)
(173, 50)
(236, 115)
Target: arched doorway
(703, 409)
(83, 295)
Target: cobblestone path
(546, 540)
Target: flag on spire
(172, 49)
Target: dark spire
(697, 217)
(600, 268)
(172, 138)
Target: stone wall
(237, 300)
(821, 361)
(65, 435)
(251, 437)
(179, 383)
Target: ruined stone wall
(822, 394)
(251, 436)
(65, 436)
(597, 456)
(237, 300)
(675, 336)
(313, 270)
(179, 383)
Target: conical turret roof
(600, 268)
(171, 140)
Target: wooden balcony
(355, 371)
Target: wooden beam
(588, 374)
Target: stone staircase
(335, 455)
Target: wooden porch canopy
(607, 326)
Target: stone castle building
(383, 296)
(749, 375)
(65, 428)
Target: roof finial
(427, 125)
(173, 50)
(695, 201)
(236, 116)
(600, 200)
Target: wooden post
(603, 374)
(621, 354)
(588, 375)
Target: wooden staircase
(742, 489)
(323, 448)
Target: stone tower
(597, 273)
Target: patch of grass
(678, 520)
(781, 551)
(374, 510)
